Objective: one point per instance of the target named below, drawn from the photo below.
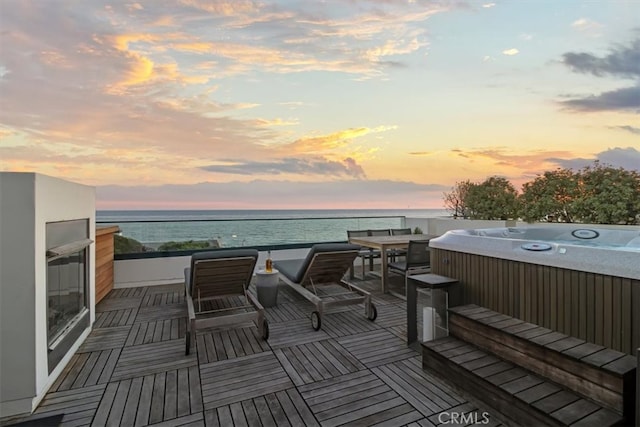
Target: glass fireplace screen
(67, 275)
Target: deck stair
(533, 375)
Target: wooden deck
(132, 370)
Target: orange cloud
(276, 122)
(140, 68)
(194, 47)
(226, 8)
(332, 141)
(394, 47)
(517, 166)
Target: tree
(595, 194)
(608, 195)
(495, 198)
(454, 201)
(550, 197)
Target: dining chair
(363, 253)
(400, 231)
(394, 253)
(417, 261)
(380, 232)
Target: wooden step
(517, 393)
(596, 372)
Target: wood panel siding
(104, 260)
(598, 308)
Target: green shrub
(127, 245)
(183, 246)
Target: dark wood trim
(593, 307)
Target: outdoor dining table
(386, 243)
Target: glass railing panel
(154, 235)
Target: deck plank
(425, 392)
(161, 312)
(359, 398)
(316, 361)
(150, 399)
(117, 304)
(214, 345)
(235, 380)
(348, 323)
(376, 348)
(105, 338)
(87, 369)
(163, 298)
(390, 315)
(108, 319)
(132, 370)
(152, 358)
(138, 292)
(294, 332)
(76, 407)
(283, 312)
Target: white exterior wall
(27, 202)
(17, 293)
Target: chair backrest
(400, 231)
(418, 254)
(221, 273)
(357, 233)
(327, 263)
(381, 232)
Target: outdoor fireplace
(47, 283)
(67, 285)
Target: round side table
(267, 287)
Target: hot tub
(581, 280)
(614, 252)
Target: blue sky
(336, 104)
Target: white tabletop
(267, 273)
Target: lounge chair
(417, 261)
(213, 284)
(325, 264)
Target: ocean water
(238, 228)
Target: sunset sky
(196, 104)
